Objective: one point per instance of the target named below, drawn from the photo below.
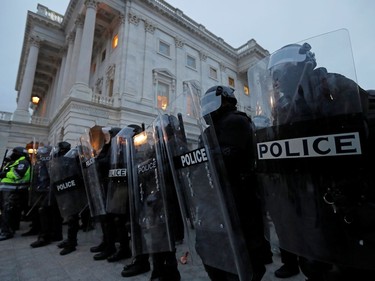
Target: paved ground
(20, 262)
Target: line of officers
(151, 190)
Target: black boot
(119, 255)
(40, 242)
(63, 244)
(99, 248)
(138, 266)
(67, 250)
(109, 251)
(5, 236)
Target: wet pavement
(20, 262)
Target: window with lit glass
(162, 95)
(115, 41)
(246, 90)
(164, 48)
(231, 82)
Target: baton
(33, 206)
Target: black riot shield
(204, 193)
(67, 183)
(118, 192)
(90, 176)
(40, 181)
(313, 145)
(150, 225)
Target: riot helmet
(290, 62)
(17, 152)
(43, 152)
(62, 148)
(214, 97)
(129, 132)
(169, 123)
(289, 67)
(114, 131)
(292, 53)
(72, 153)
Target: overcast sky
(272, 23)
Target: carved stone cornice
(222, 67)
(202, 56)
(122, 18)
(133, 18)
(91, 4)
(34, 41)
(79, 21)
(179, 42)
(70, 38)
(90, 110)
(149, 27)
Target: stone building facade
(113, 63)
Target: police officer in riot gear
(15, 178)
(234, 132)
(49, 213)
(106, 246)
(68, 164)
(310, 102)
(113, 226)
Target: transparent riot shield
(67, 183)
(94, 191)
(40, 180)
(150, 229)
(204, 193)
(118, 185)
(312, 148)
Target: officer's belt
(11, 187)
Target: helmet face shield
(290, 54)
(210, 102)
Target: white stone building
(113, 63)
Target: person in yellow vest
(15, 180)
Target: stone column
(57, 97)
(81, 88)
(84, 60)
(123, 48)
(68, 62)
(76, 51)
(22, 113)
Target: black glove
(3, 174)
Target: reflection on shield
(150, 226)
(118, 192)
(40, 181)
(90, 176)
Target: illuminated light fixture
(31, 151)
(35, 99)
(115, 41)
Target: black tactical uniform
(234, 132)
